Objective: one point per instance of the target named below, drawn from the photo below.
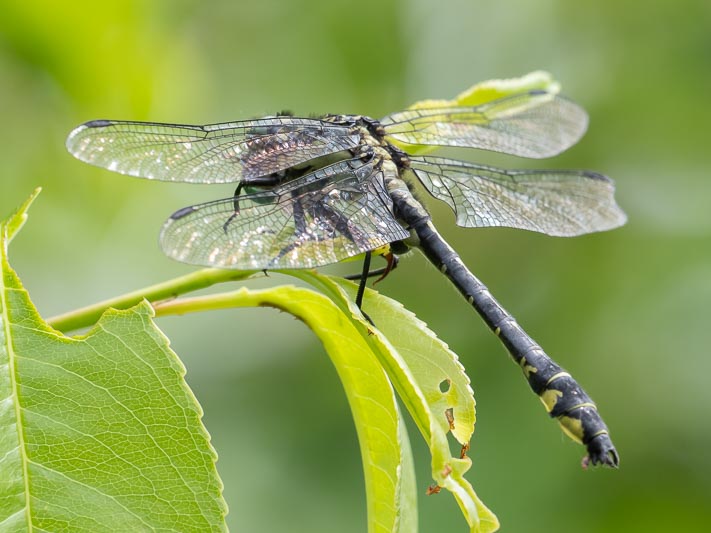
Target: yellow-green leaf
(490, 90)
(417, 363)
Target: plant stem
(242, 297)
(86, 316)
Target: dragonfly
(316, 191)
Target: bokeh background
(627, 312)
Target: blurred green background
(627, 312)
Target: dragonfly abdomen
(563, 397)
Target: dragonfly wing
(534, 124)
(216, 153)
(561, 203)
(336, 212)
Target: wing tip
(76, 133)
(98, 123)
(591, 174)
(183, 212)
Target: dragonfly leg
(392, 260)
(361, 286)
(261, 181)
(238, 190)
(363, 280)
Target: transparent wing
(324, 217)
(561, 203)
(534, 124)
(216, 153)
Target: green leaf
(100, 432)
(418, 363)
(385, 449)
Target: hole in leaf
(444, 385)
